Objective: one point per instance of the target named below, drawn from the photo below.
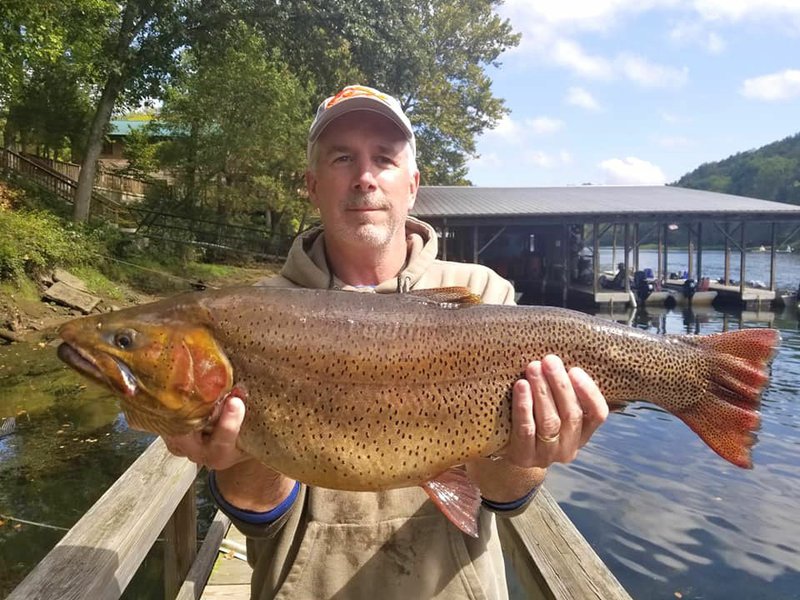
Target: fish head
(171, 374)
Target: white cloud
(506, 129)
(775, 86)
(670, 117)
(739, 10)
(547, 160)
(580, 97)
(696, 33)
(569, 54)
(647, 74)
(509, 131)
(544, 125)
(631, 171)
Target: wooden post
(690, 250)
(636, 242)
(699, 250)
(626, 241)
(475, 244)
(666, 251)
(742, 265)
(565, 249)
(180, 545)
(444, 239)
(772, 284)
(595, 259)
(660, 275)
(727, 272)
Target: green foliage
(46, 242)
(771, 172)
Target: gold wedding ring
(548, 440)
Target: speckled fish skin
(369, 392)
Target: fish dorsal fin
(457, 497)
(448, 297)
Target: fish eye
(123, 339)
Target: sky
(624, 92)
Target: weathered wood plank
(180, 545)
(228, 592)
(198, 575)
(98, 557)
(552, 559)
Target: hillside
(771, 172)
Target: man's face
(361, 182)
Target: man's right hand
(216, 449)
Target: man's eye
(342, 158)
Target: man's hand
(554, 413)
(216, 450)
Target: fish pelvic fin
(727, 417)
(455, 494)
(448, 297)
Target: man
(317, 543)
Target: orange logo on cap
(355, 91)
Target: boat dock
(547, 557)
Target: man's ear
(413, 187)
(311, 186)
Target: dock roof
(593, 203)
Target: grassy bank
(35, 240)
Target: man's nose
(365, 178)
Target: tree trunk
(94, 145)
(114, 84)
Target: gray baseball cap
(360, 97)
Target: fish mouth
(86, 364)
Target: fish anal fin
(448, 297)
(457, 497)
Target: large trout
(370, 392)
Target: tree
(238, 144)
(431, 54)
(139, 46)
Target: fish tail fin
(727, 417)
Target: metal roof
(591, 202)
(124, 127)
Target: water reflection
(667, 514)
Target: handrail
(100, 554)
(56, 182)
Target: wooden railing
(98, 557)
(62, 186)
(103, 179)
(550, 557)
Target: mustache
(362, 201)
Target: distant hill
(771, 172)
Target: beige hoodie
(394, 544)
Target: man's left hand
(554, 413)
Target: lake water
(666, 514)
(757, 265)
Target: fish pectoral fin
(457, 497)
(449, 297)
